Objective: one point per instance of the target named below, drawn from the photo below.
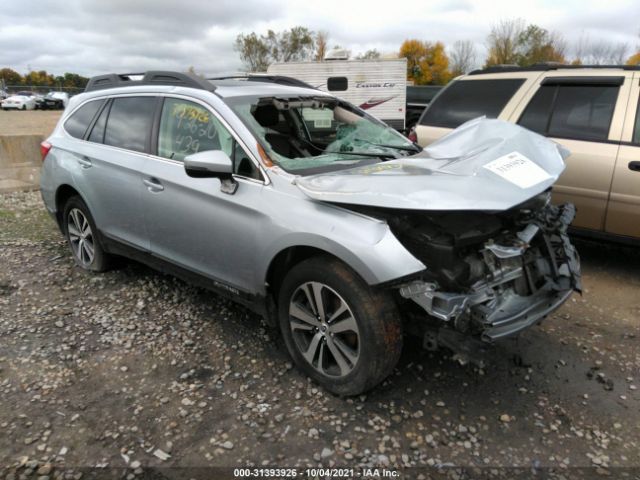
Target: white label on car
(518, 169)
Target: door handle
(153, 185)
(84, 162)
(634, 166)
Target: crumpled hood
(484, 164)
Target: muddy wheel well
(64, 193)
(285, 260)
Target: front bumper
(495, 308)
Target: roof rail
(278, 79)
(544, 67)
(158, 77)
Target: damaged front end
(490, 275)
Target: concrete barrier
(20, 162)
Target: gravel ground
(37, 122)
(132, 369)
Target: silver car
(319, 217)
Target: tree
(427, 63)
(511, 42)
(463, 57)
(258, 52)
(253, 51)
(369, 55)
(40, 78)
(599, 52)
(634, 59)
(322, 39)
(537, 45)
(10, 77)
(502, 42)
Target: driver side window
(187, 128)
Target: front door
(191, 221)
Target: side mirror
(212, 164)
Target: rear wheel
(81, 232)
(338, 330)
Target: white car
(20, 101)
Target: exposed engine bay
(488, 274)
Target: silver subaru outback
(319, 217)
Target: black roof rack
(159, 77)
(278, 79)
(544, 67)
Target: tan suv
(593, 111)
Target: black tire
(24, 107)
(100, 260)
(379, 328)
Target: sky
(93, 37)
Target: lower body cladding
(523, 271)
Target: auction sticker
(518, 169)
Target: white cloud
(92, 37)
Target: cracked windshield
(315, 135)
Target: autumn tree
(322, 39)
(462, 57)
(427, 63)
(10, 76)
(634, 59)
(39, 78)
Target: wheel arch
(63, 193)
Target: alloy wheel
(80, 237)
(324, 329)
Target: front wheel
(339, 331)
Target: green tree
(258, 52)
(253, 52)
(537, 45)
(513, 42)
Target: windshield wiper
(411, 148)
(365, 154)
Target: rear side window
(581, 112)
(77, 124)
(129, 123)
(467, 99)
(97, 132)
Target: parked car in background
(418, 98)
(20, 101)
(315, 214)
(53, 101)
(593, 111)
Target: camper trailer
(377, 86)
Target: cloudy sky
(90, 36)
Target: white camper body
(377, 86)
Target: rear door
(113, 169)
(623, 211)
(584, 113)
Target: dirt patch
(107, 370)
(36, 122)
